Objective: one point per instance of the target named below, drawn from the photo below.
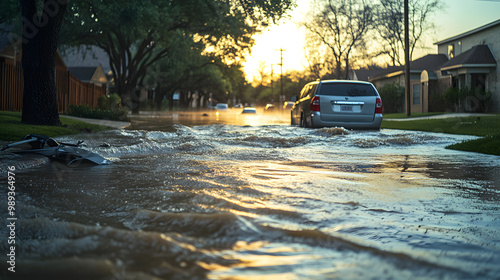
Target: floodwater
(192, 196)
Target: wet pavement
(204, 196)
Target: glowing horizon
(266, 51)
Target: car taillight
(378, 106)
(315, 104)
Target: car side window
(305, 91)
(312, 90)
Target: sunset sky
(458, 16)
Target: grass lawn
(413, 115)
(479, 126)
(486, 126)
(14, 130)
(487, 145)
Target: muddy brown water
(229, 196)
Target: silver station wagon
(330, 103)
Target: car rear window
(346, 89)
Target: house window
(451, 51)
(478, 81)
(416, 94)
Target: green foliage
(109, 102)
(393, 98)
(487, 126)
(466, 100)
(109, 108)
(413, 115)
(9, 9)
(182, 36)
(84, 111)
(479, 126)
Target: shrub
(467, 100)
(110, 102)
(85, 111)
(393, 97)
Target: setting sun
(266, 53)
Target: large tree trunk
(40, 34)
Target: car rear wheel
(303, 121)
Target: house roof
(479, 55)
(470, 32)
(86, 56)
(429, 63)
(365, 74)
(83, 73)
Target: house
(473, 61)
(467, 60)
(89, 64)
(90, 74)
(419, 96)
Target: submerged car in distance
(338, 103)
(249, 110)
(221, 107)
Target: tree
(342, 26)
(41, 21)
(137, 34)
(169, 73)
(321, 65)
(390, 25)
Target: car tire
(292, 120)
(303, 121)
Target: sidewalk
(442, 116)
(113, 124)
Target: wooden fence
(70, 90)
(11, 87)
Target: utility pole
(272, 81)
(281, 76)
(407, 60)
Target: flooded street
(232, 196)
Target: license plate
(346, 108)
